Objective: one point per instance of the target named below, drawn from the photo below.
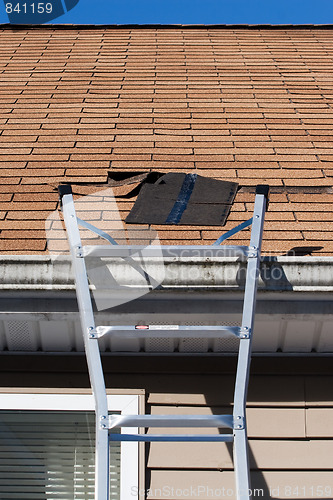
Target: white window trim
(126, 404)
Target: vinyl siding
(290, 439)
(289, 411)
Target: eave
(294, 312)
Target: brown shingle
(23, 245)
(248, 105)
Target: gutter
(277, 274)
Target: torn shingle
(186, 199)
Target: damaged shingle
(186, 199)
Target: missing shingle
(302, 251)
(309, 189)
(291, 189)
(125, 184)
(128, 184)
(120, 178)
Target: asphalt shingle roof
(250, 105)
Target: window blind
(50, 455)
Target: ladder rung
(171, 437)
(166, 251)
(170, 421)
(170, 331)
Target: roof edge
(166, 26)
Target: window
(47, 447)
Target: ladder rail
(91, 348)
(241, 460)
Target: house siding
(289, 411)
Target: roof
(250, 105)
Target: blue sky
(190, 11)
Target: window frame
(126, 404)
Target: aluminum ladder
(91, 333)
